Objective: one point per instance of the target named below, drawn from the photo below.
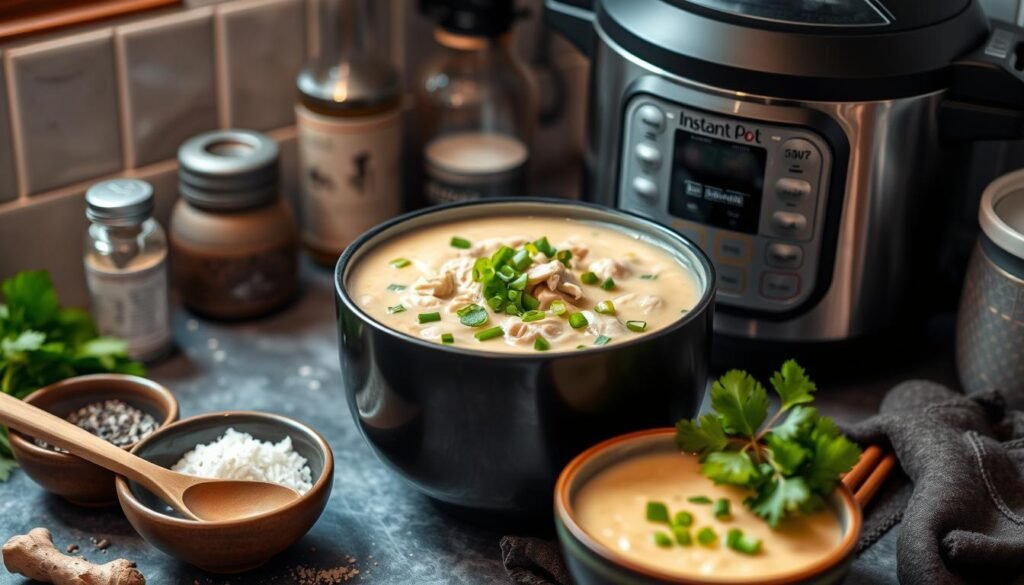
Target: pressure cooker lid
(846, 16)
(826, 50)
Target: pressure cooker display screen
(717, 183)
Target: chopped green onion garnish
(661, 539)
(682, 535)
(521, 260)
(581, 347)
(519, 283)
(428, 317)
(605, 308)
(530, 302)
(707, 536)
(741, 543)
(531, 248)
(558, 308)
(699, 500)
(682, 519)
(657, 512)
(515, 296)
(721, 509)
(602, 340)
(608, 284)
(395, 309)
(396, 287)
(400, 263)
(489, 333)
(533, 316)
(496, 303)
(472, 315)
(506, 273)
(589, 278)
(541, 344)
(502, 255)
(479, 267)
(461, 243)
(684, 311)
(564, 256)
(637, 326)
(648, 277)
(577, 320)
(447, 338)
(512, 309)
(545, 246)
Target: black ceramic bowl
(491, 431)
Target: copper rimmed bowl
(592, 563)
(71, 477)
(490, 431)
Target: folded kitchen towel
(964, 456)
(533, 561)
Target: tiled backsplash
(116, 99)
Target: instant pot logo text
(728, 130)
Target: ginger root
(34, 556)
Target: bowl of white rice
(233, 445)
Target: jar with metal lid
(126, 266)
(234, 240)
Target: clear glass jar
(126, 267)
(476, 109)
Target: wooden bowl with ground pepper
(118, 408)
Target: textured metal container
(491, 432)
(990, 324)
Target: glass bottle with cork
(349, 129)
(476, 104)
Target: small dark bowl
(71, 477)
(591, 563)
(490, 431)
(239, 545)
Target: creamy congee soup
(522, 283)
(615, 508)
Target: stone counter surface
(288, 364)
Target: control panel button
(800, 157)
(652, 117)
(645, 188)
(732, 250)
(792, 190)
(788, 224)
(731, 279)
(648, 155)
(779, 286)
(784, 256)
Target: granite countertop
(288, 364)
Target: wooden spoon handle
(54, 430)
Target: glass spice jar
(234, 240)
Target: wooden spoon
(210, 500)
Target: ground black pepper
(113, 421)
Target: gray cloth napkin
(964, 456)
(960, 497)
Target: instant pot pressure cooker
(796, 141)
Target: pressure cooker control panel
(750, 193)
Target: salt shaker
(126, 266)
(990, 323)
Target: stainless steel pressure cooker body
(795, 141)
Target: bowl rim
(127, 499)
(564, 513)
(703, 304)
(24, 442)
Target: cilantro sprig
(791, 461)
(41, 343)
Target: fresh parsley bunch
(41, 343)
(791, 464)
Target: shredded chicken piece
(546, 296)
(522, 333)
(604, 325)
(610, 268)
(579, 249)
(650, 303)
(460, 300)
(462, 269)
(432, 331)
(441, 286)
(417, 301)
(555, 276)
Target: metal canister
(990, 324)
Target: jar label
(473, 165)
(132, 306)
(350, 175)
